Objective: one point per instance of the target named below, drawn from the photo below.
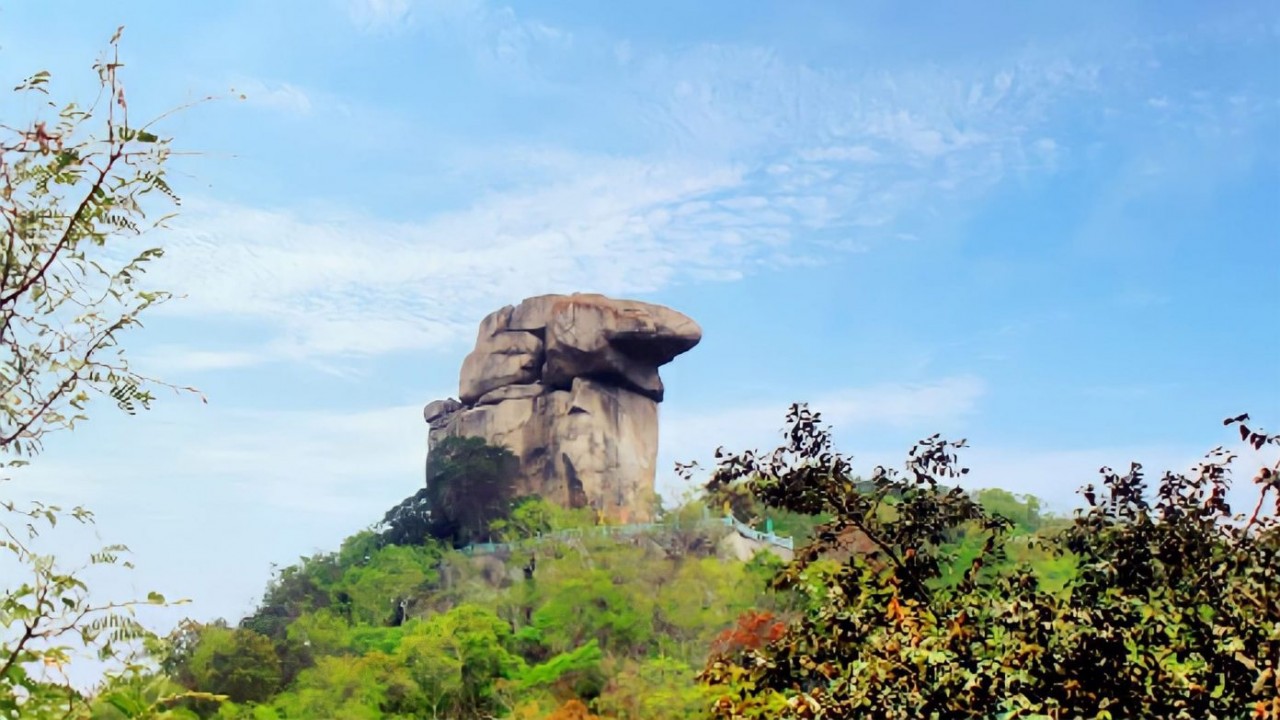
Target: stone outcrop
(569, 384)
(734, 546)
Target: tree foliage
(565, 619)
(74, 188)
(1174, 610)
(236, 662)
(76, 185)
(531, 516)
(609, 623)
(470, 484)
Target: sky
(1051, 229)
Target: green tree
(1022, 510)
(1174, 611)
(292, 591)
(577, 671)
(371, 687)
(456, 659)
(470, 484)
(700, 600)
(531, 516)
(144, 695)
(76, 184)
(576, 603)
(371, 590)
(235, 662)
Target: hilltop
(561, 613)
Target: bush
(1174, 611)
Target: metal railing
(765, 537)
(768, 536)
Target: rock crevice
(569, 384)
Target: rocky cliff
(569, 384)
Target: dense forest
(907, 594)
(930, 600)
(401, 625)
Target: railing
(752, 534)
(768, 537)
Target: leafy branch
(75, 189)
(71, 196)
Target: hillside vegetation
(907, 598)
(397, 624)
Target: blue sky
(1052, 230)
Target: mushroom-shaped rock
(569, 384)
(622, 341)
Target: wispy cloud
(770, 149)
(354, 286)
(904, 405)
(379, 15)
(284, 97)
(341, 465)
(841, 153)
(497, 39)
(168, 359)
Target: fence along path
(631, 530)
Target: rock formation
(569, 384)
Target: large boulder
(438, 409)
(569, 384)
(506, 358)
(511, 392)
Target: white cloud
(497, 38)
(376, 15)
(177, 358)
(918, 136)
(343, 286)
(352, 286)
(877, 153)
(343, 465)
(1047, 152)
(733, 99)
(1054, 475)
(904, 405)
(851, 153)
(769, 150)
(623, 52)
